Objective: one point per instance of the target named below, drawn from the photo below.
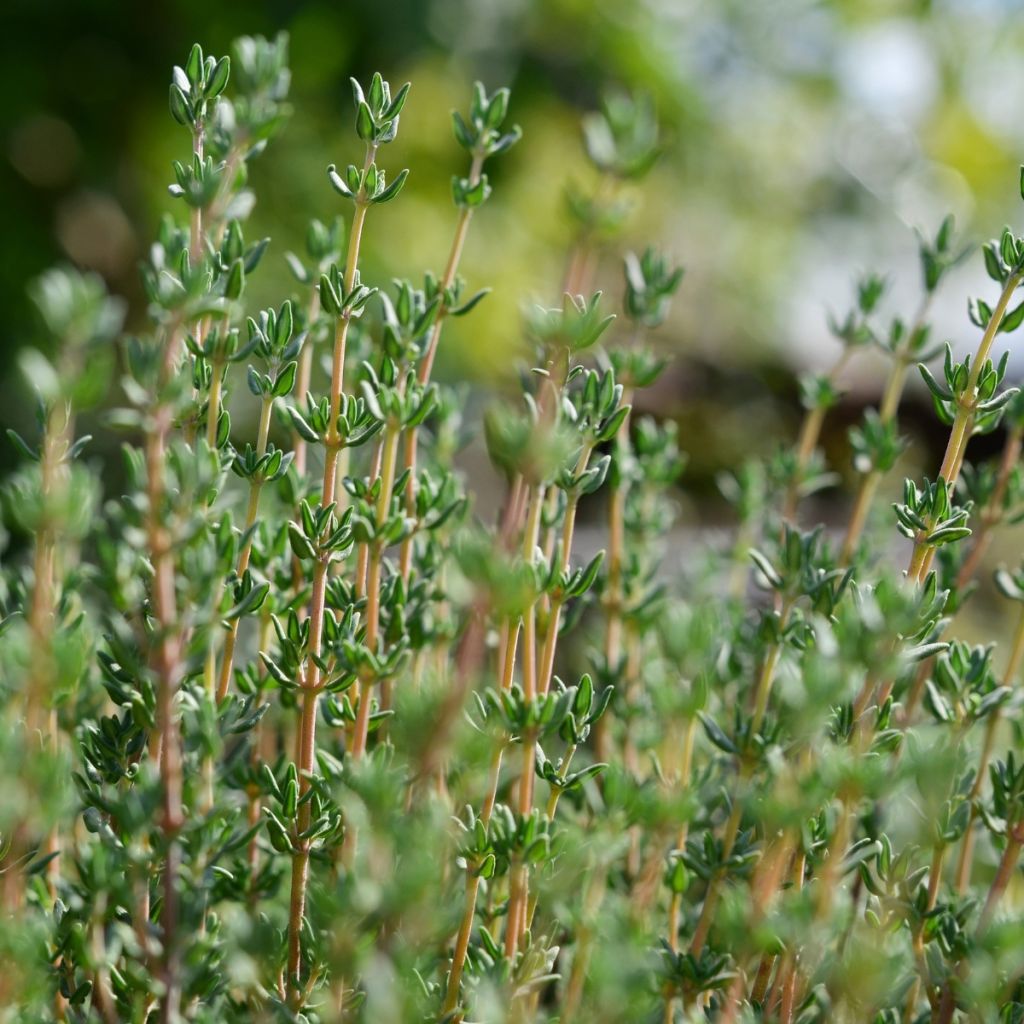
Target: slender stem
(196, 222)
(893, 394)
(963, 425)
(471, 650)
(763, 887)
(166, 657)
(556, 791)
(517, 896)
(310, 683)
(762, 690)
(253, 792)
(934, 878)
(213, 408)
(700, 932)
(302, 380)
(888, 408)
(373, 582)
(519, 878)
(547, 664)
(788, 1000)
(990, 517)
(450, 270)
(676, 900)
(762, 979)
(810, 432)
(992, 514)
(472, 881)
(614, 596)
(529, 650)
(581, 961)
(786, 975)
(583, 255)
(427, 362)
(255, 487)
(963, 870)
(470, 654)
(1007, 865)
(763, 687)
(859, 515)
(451, 999)
(39, 720)
(45, 594)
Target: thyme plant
(291, 733)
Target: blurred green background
(805, 143)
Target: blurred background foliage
(805, 141)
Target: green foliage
(291, 733)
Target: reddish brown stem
(427, 362)
(305, 754)
(963, 424)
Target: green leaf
(1012, 320)
(937, 704)
(576, 779)
(357, 92)
(282, 679)
(194, 64)
(285, 380)
(301, 427)
(993, 266)
(862, 851)
(463, 135)
(1007, 585)
(478, 193)
(396, 105)
(393, 189)
(766, 568)
(290, 799)
(301, 547)
(255, 381)
(252, 602)
(998, 401)
(471, 303)
(945, 233)
(487, 866)
(338, 182)
(223, 428)
(715, 734)
(180, 109)
(940, 392)
(81, 993)
(22, 445)
(235, 283)
(589, 574)
(364, 122)
(679, 877)
(330, 300)
(296, 267)
(375, 94)
(1007, 250)
(497, 109)
(947, 535)
(219, 79)
(613, 424)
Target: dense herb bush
(289, 733)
